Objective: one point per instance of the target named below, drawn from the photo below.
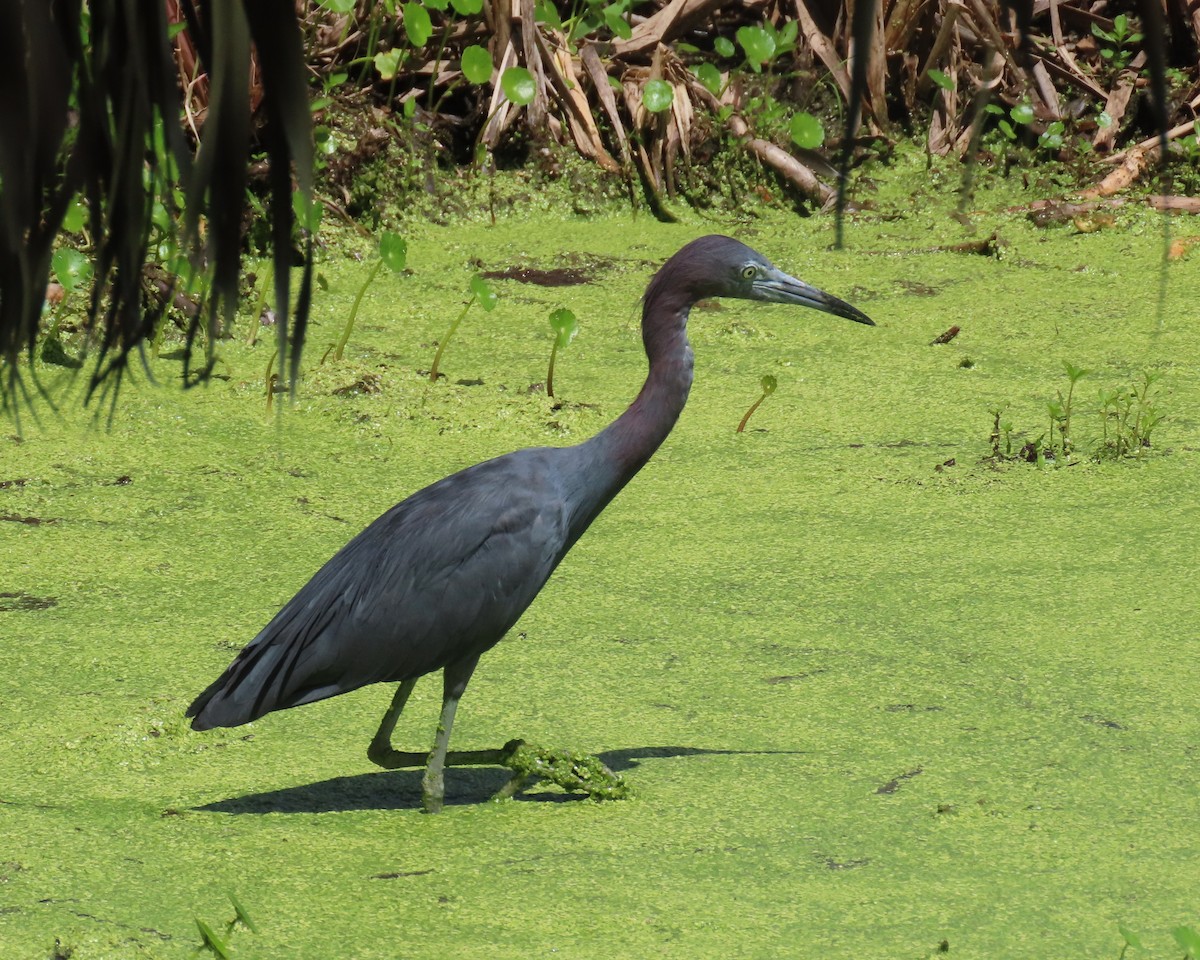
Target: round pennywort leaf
(518, 85)
(417, 24)
(806, 131)
(657, 95)
(393, 251)
(477, 64)
(565, 325)
(484, 294)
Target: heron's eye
(749, 272)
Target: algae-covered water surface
(876, 693)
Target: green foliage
(1128, 418)
(806, 131)
(388, 63)
(1118, 43)
(939, 78)
(565, 326)
(218, 944)
(393, 253)
(480, 291)
(417, 25)
(759, 46)
(710, 77)
(724, 47)
(518, 85)
(73, 269)
(657, 95)
(477, 64)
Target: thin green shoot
(393, 252)
(260, 301)
(768, 384)
(1131, 940)
(565, 326)
(481, 291)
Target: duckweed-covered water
(875, 695)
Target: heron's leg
(454, 680)
(380, 751)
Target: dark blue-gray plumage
(442, 576)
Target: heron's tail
(265, 676)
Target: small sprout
(566, 326)
(388, 63)
(1189, 939)
(393, 252)
(242, 916)
(1131, 939)
(211, 942)
(768, 384)
(481, 291)
(724, 47)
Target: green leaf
(393, 251)
(1104, 119)
(337, 6)
(517, 84)
(242, 916)
(308, 212)
(438, 5)
(940, 79)
(657, 95)
(615, 20)
(466, 8)
(723, 46)
(769, 383)
(477, 64)
(545, 12)
(1007, 130)
(758, 44)
(710, 77)
(484, 294)
(72, 268)
(387, 63)
(75, 216)
(806, 131)
(1130, 937)
(565, 325)
(1189, 939)
(210, 940)
(1022, 113)
(417, 24)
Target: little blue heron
(443, 576)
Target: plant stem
(741, 427)
(341, 344)
(550, 370)
(437, 357)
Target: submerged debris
(573, 772)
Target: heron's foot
(383, 755)
(573, 772)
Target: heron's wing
(439, 577)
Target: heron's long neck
(617, 453)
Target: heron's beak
(778, 287)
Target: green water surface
(868, 708)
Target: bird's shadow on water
(401, 789)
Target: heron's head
(717, 266)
